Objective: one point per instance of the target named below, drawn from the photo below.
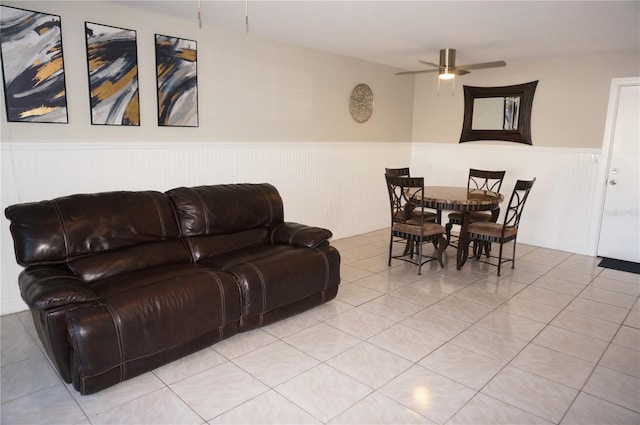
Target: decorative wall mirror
(498, 113)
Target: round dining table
(464, 200)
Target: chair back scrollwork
(401, 192)
(485, 180)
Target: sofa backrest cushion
(72, 227)
(224, 209)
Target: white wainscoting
(338, 185)
(565, 205)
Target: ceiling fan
(447, 68)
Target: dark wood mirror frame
(523, 132)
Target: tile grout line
(531, 342)
(423, 308)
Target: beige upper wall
(252, 89)
(569, 107)
(249, 89)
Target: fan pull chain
(246, 15)
(453, 86)
(199, 15)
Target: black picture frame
(522, 130)
(176, 81)
(33, 66)
(112, 64)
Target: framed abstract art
(32, 66)
(177, 81)
(112, 62)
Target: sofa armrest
(300, 235)
(44, 287)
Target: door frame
(607, 145)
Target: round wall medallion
(361, 103)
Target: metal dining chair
(487, 232)
(409, 228)
(434, 217)
(478, 180)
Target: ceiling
(399, 33)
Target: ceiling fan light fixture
(447, 64)
(446, 74)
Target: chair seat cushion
(415, 215)
(491, 230)
(474, 216)
(412, 227)
(428, 216)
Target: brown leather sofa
(120, 283)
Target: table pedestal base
(462, 252)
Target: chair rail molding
(565, 176)
(321, 183)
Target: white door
(620, 227)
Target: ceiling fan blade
(416, 72)
(430, 63)
(483, 65)
(456, 72)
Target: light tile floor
(557, 340)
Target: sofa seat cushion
(151, 316)
(180, 301)
(274, 276)
(148, 282)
